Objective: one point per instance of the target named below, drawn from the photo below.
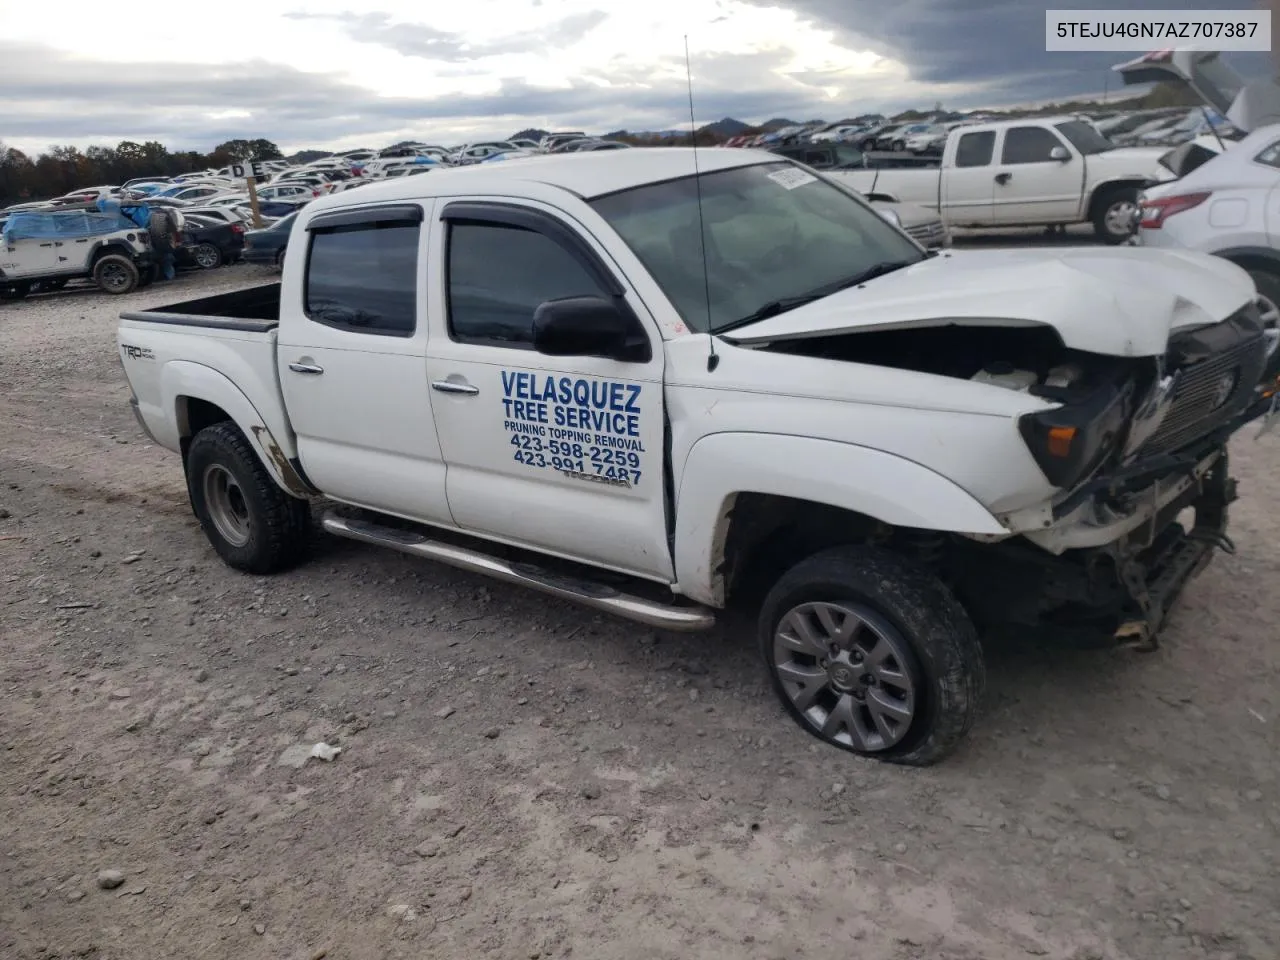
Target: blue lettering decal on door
(582, 427)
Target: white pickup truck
(1029, 172)
(533, 372)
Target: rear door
(968, 181)
(1030, 185)
(352, 356)
(562, 454)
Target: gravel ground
(522, 779)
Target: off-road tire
(1102, 210)
(279, 526)
(943, 647)
(14, 291)
(109, 265)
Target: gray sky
(334, 74)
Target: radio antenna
(713, 358)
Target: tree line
(62, 169)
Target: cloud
(995, 45)
(429, 43)
(194, 105)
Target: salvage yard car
(659, 393)
(1051, 172)
(48, 249)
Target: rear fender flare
(183, 380)
(862, 480)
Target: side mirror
(1061, 154)
(587, 327)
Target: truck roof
(587, 175)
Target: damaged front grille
(928, 235)
(1217, 368)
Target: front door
(563, 454)
(1033, 187)
(968, 183)
(352, 366)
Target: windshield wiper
(775, 307)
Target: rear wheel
(206, 256)
(252, 524)
(14, 291)
(1115, 215)
(873, 654)
(115, 274)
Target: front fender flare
(863, 480)
(183, 379)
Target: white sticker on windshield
(792, 177)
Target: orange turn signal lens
(1060, 441)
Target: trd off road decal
(584, 428)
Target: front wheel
(873, 654)
(252, 524)
(115, 274)
(1115, 216)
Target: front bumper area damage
(1157, 561)
(1108, 563)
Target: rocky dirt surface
(520, 779)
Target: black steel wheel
(115, 274)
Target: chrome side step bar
(598, 596)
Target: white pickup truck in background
(659, 394)
(1052, 172)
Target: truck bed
(254, 310)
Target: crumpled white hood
(1120, 301)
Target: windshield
(1084, 138)
(847, 156)
(772, 232)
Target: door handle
(453, 386)
(46, 244)
(1003, 178)
(305, 368)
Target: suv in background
(49, 249)
(1224, 207)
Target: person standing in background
(162, 225)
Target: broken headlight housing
(1072, 441)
